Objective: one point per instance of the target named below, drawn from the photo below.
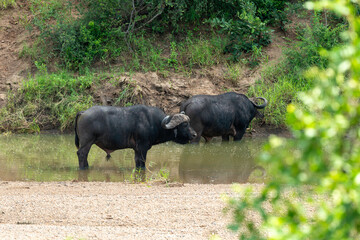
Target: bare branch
(152, 19)
(130, 26)
(132, 21)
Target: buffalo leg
(225, 138)
(82, 155)
(239, 134)
(140, 159)
(232, 132)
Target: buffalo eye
(186, 124)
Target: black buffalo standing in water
(225, 115)
(137, 127)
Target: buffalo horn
(175, 120)
(262, 105)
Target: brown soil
(99, 210)
(13, 36)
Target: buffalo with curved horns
(137, 127)
(224, 115)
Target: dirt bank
(98, 210)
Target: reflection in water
(220, 162)
(53, 157)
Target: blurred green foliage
(320, 166)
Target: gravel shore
(106, 210)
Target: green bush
(272, 11)
(80, 41)
(89, 31)
(320, 167)
(245, 32)
(80, 45)
(179, 12)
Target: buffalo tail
(76, 134)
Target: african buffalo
(137, 127)
(225, 115)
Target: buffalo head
(182, 129)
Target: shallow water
(51, 157)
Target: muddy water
(53, 158)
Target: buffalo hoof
(84, 168)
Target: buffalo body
(138, 127)
(224, 115)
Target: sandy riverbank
(99, 210)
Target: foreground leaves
(315, 194)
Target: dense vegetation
(162, 36)
(107, 31)
(320, 167)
